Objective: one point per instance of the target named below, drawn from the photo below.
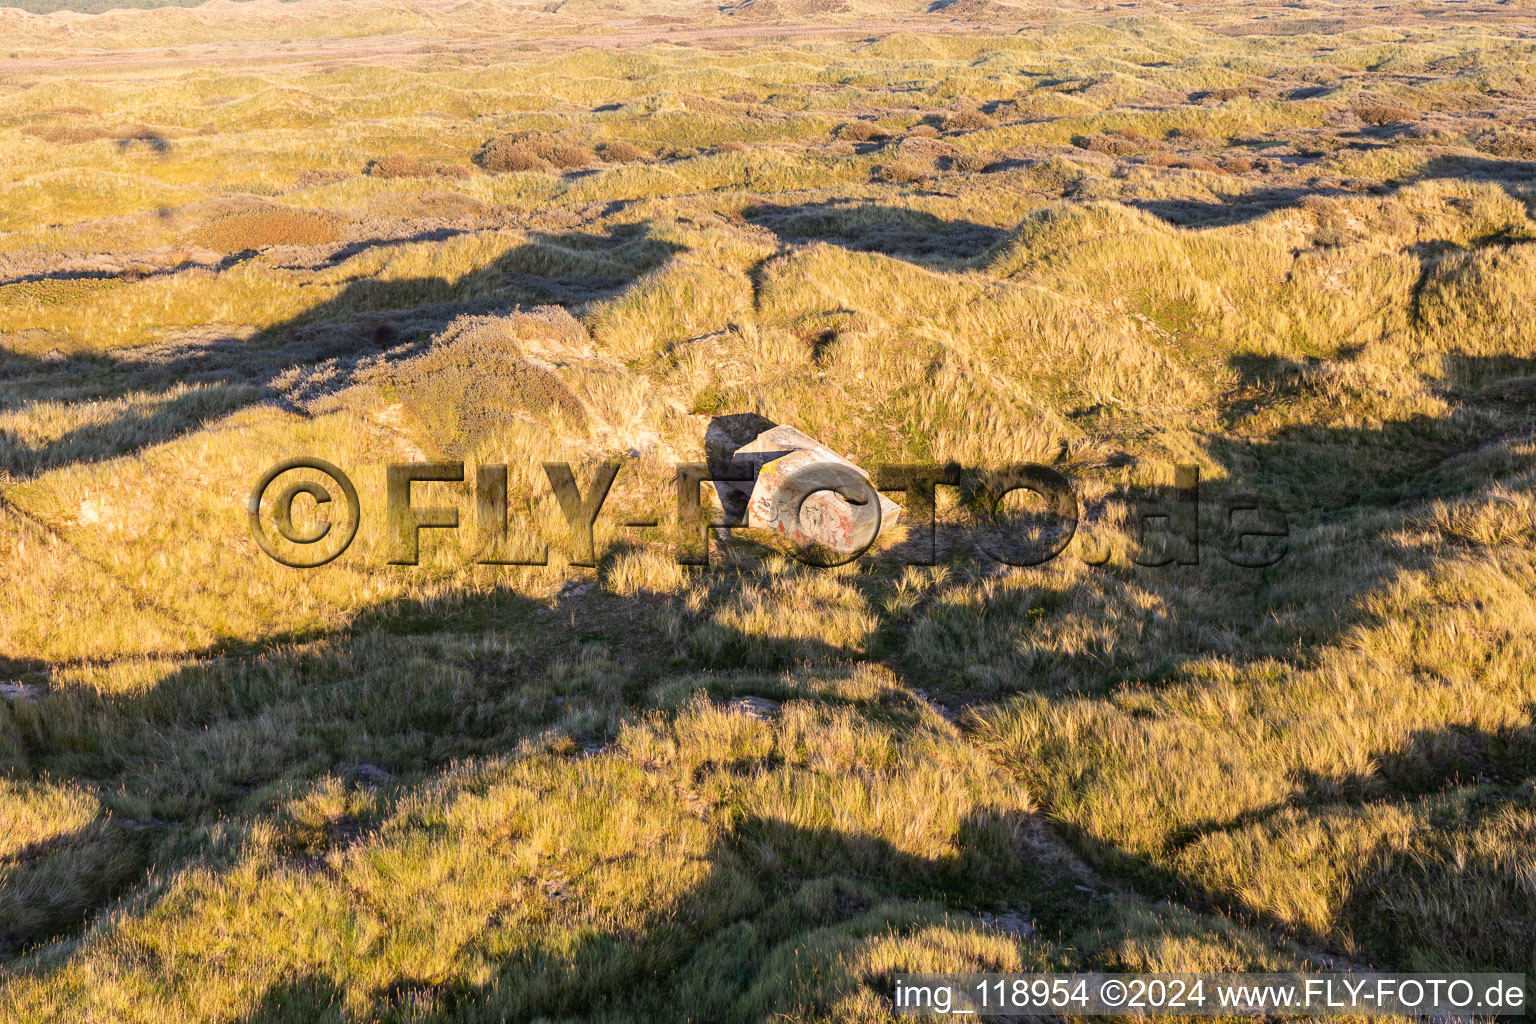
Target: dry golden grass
(411, 167)
(1109, 242)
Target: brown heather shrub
(900, 172)
(269, 226)
(970, 163)
(1187, 163)
(1237, 164)
(531, 151)
(729, 147)
(1516, 143)
(512, 156)
(620, 152)
(740, 97)
(567, 156)
(1190, 133)
(397, 167)
(967, 121)
(1124, 143)
(1384, 114)
(922, 131)
(1224, 95)
(861, 131)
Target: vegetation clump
(269, 226)
(971, 163)
(967, 121)
(532, 151)
(475, 375)
(1188, 133)
(899, 172)
(1228, 93)
(1385, 114)
(617, 151)
(1515, 143)
(861, 131)
(1124, 142)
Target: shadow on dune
(911, 235)
(368, 319)
(1243, 207)
(1451, 882)
(1235, 209)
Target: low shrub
(1186, 163)
(1056, 176)
(269, 226)
(474, 375)
(397, 167)
(922, 131)
(899, 172)
(1516, 143)
(1115, 143)
(861, 131)
(514, 156)
(620, 152)
(1244, 92)
(531, 151)
(1384, 114)
(970, 163)
(967, 121)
